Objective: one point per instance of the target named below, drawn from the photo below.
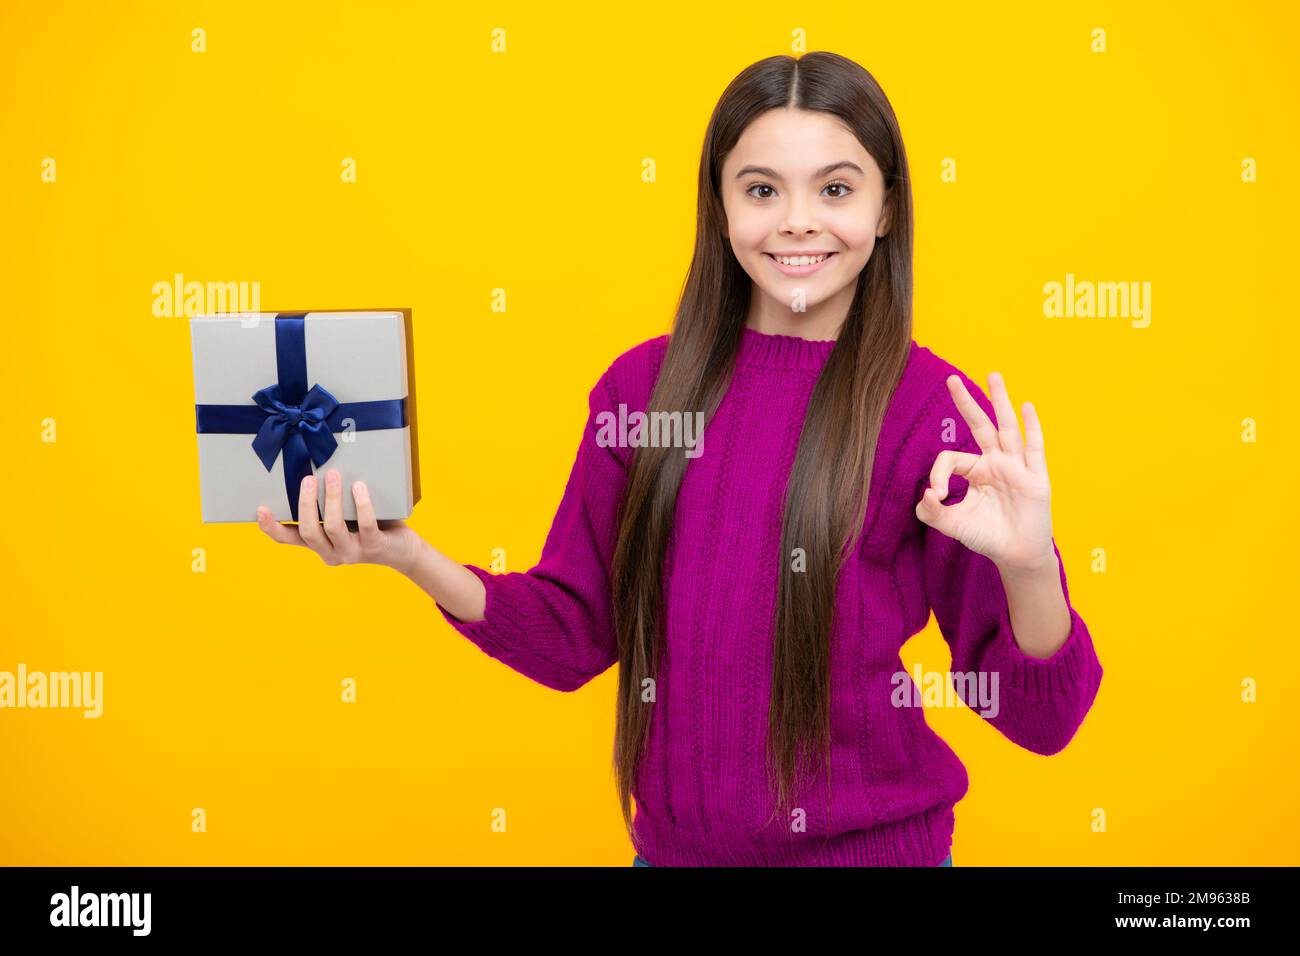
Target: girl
(755, 589)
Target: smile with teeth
(799, 266)
(799, 260)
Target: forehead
(795, 142)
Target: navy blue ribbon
(291, 418)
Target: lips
(800, 270)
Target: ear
(886, 218)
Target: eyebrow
(824, 171)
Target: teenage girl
(755, 590)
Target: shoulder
(625, 387)
(923, 420)
(631, 377)
(927, 408)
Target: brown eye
(844, 186)
(750, 190)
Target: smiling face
(805, 204)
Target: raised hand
(1006, 513)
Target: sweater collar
(782, 351)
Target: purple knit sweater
(702, 797)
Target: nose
(799, 219)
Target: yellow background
(521, 171)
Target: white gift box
(317, 390)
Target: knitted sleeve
(1036, 703)
(553, 623)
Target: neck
(820, 321)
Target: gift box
(279, 396)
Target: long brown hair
(826, 497)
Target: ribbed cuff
(500, 618)
(1073, 668)
(508, 632)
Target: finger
(1035, 453)
(372, 539)
(1008, 425)
(946, 465)
(308, 524)
(936, 514)
(277, 531)
(335, 529)
(981, 429)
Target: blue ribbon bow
(285, 423)
(290, 418)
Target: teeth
(798, 260)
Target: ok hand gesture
(1006, 514)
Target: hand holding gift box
(279, 394)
